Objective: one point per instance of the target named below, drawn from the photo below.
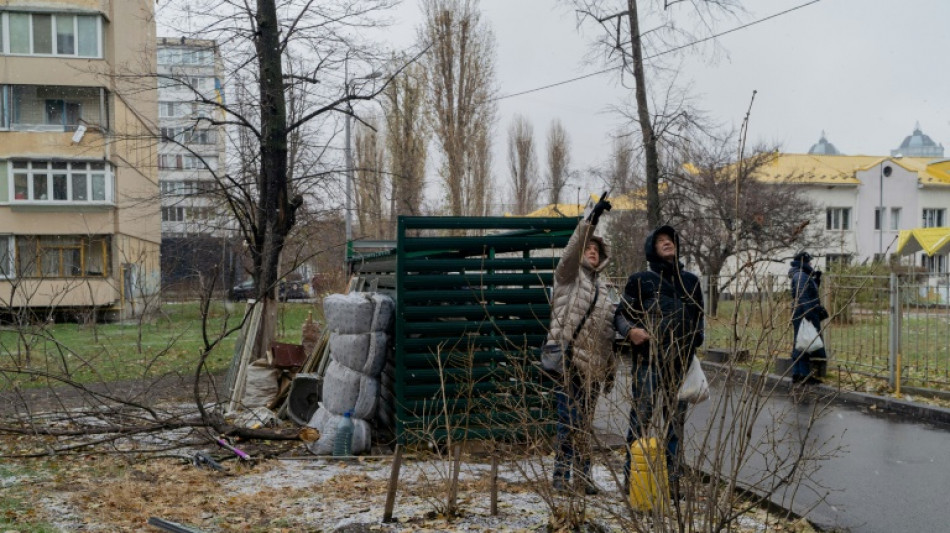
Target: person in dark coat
(661, 318)
(806, 305)
(582, 326)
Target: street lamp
(348, 154)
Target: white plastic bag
(808, 340)
(695, 387)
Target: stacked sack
(358, 324)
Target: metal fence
(896, 328)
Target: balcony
(52, 108)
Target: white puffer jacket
(575, 280)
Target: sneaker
(797, 378)
(813, 380)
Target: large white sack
(327, 423)
(358, 312)
(260, 386)
(348, 390)
(362, 352)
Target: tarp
(932, 241)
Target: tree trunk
(275, 212)
(643, 115)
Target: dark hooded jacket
(806, 302)
(667, 301)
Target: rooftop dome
(918, 144)
(823, 147)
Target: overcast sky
(863, 71)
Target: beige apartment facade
(79, 213)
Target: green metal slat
(540, 311)
(473, 281)
(485, 341)
(478, 263)
(536, 295)
(465, 358)
(475, 245)
(467, 223)
(451, 390)
(468, 327)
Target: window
(895, 218)
(878, 215)
(933, 218)
(6, 256)
(935, 265)
(838, 218)
(189, 135)
(53, 108)
(187, 161)
(62, 256)
(61, 181)
(173, 214)
(837, 259)
(185, 56)
(51, 34)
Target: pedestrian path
(884, 473)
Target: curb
(882, 404)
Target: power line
(658, 54)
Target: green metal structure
(472, 309)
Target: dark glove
(599, 208)
(817, 276)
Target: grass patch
(169, 341)
(18, 511)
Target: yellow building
(79, 212)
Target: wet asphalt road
(884, 475)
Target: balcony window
(61, 182)
(52, 108)
(51, 34)
(62, 256)
(6, 256)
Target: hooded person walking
(581, 328)
(806, 305)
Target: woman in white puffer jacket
(580, 298)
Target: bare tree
(558, 160)
(372, 185)
(407, 135)
(522, 164)
(461, 85)
(626, 45)
(620, 167)
(292, 79)
(727, 213)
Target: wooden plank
(393, 485)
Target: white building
(867, 200)
(195, 226)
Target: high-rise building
(196, 232)
(79, 216)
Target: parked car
(286, 290)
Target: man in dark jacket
(806, 305)
(661, 318)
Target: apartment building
(79, 216)
(197, 231)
